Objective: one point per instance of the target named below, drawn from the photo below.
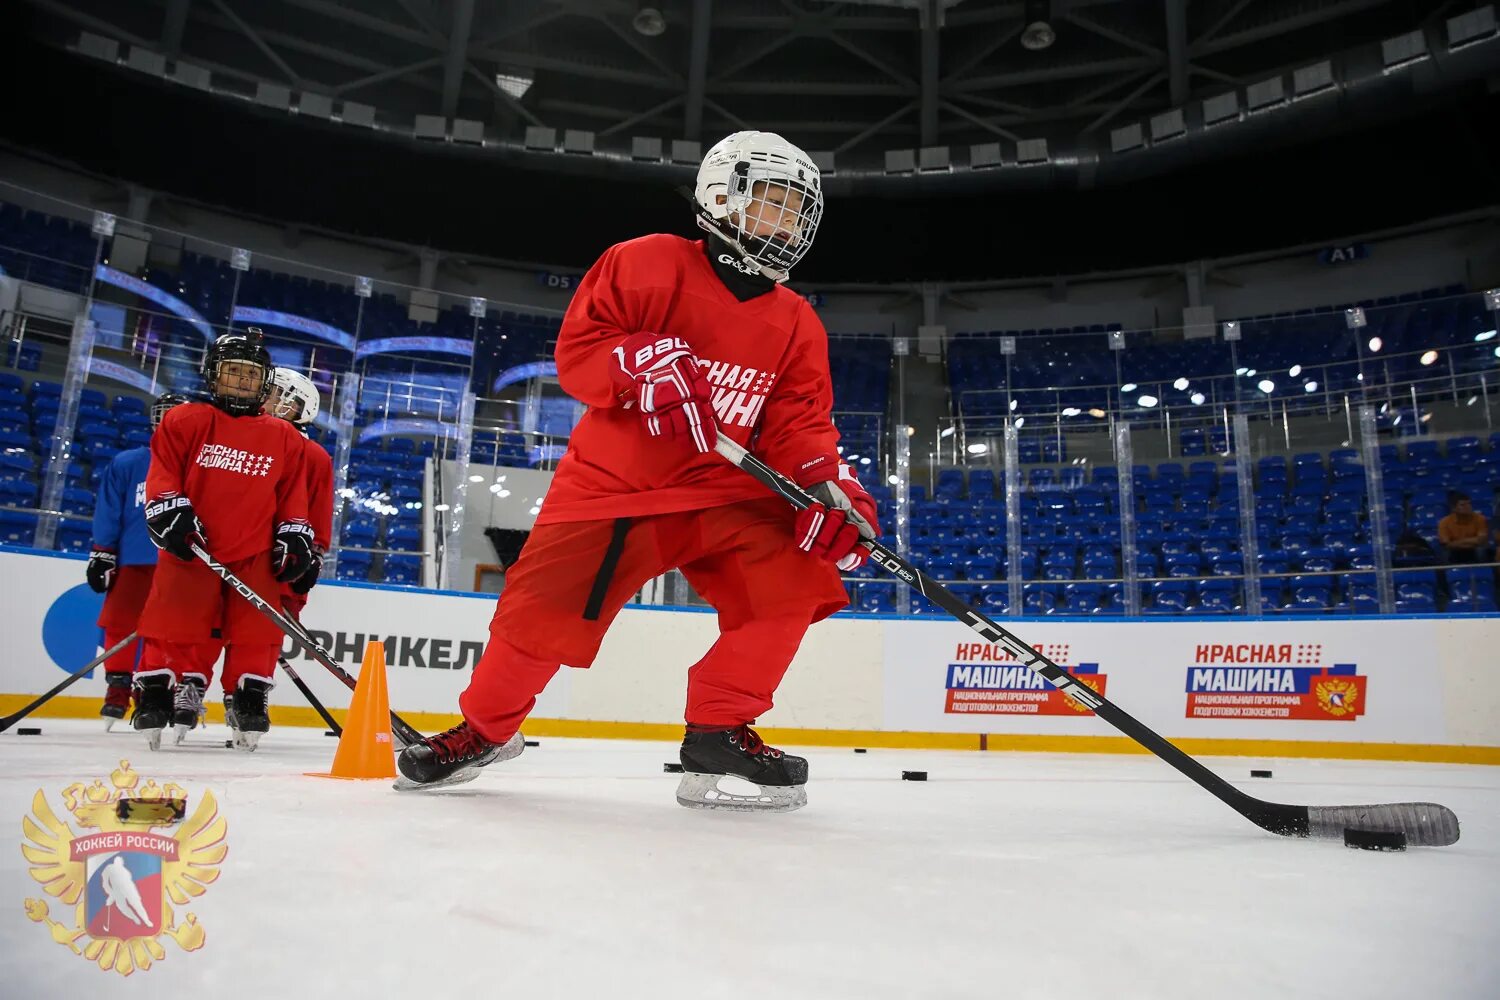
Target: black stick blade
(1425, 824)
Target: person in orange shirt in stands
(1463, 532)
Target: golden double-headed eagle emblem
(119, 878)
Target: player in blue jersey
(123, 559)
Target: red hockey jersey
(244, 475)
(766, 359)
(318, 466)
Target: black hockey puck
(860, 750)
(1374, 840)
(28, 731)
(532, 743)
(913, 775)
(671, 768)
(1260, 774)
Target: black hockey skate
(709, 754)
(246, 713)
(452, 758)
(116, 699)
(153, 707)
(187, 706)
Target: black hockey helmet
(250, 348)
(165, 402)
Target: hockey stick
(1425, 824)
(403, 732)
(311, 698)
(15, 717)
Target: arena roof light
(1310, 386)
(1294, 371)
(1197, 398)
(1375, 345)
(1129, 387)
(513, 84)
(1181, 384)
(1480, 338)
(978, 448)
(1428, 357)
(1266, 386)
(1148, 401)
(1071, 411)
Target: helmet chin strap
(715, 228)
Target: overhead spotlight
(1241, 371)
(1471, 400)
(1021, 421)
(892, 479)
(1071, 411)
(1480, 338)
(1294, 371)
(852, 458)
(1310, 387)
(1097, 413)
(1375, 345)
(1148, 401)
(1180, 384)
(649, 22)
(1266, 386)
(1013, 404)
(864, 461)
(1249, 372)
(1497, 352)
(946, 432)
(1038, 34)
(1428, 357)
(1197, 398)
(1129, 387)
(1396, 420)
(978, 448)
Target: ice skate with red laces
(713, 752)
(452, 758)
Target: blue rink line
(886, 616)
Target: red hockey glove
(101, 571)
(844, 514)
(660, 375)
(174, 527)
(292, 554)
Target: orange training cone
(365, 749)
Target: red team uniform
(237, 482)
(295, 398)
(669, 341)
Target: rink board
(1416, 688)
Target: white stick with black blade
(1422, 824)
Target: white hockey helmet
(737, 200)
(290, 387)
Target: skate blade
(512, 747)
(247, 741)
(109, 723)
(182, 732)
(153, 738)
(701, 791)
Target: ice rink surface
(572, 872)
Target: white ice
(572, 872)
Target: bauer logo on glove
(292, 554)
(174, 526)
(844, 515)
(662, 378)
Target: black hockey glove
(308, 580)
(292, 554)
(174, 527)
(101, 572)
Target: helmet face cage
(292, 391)
(246, 348)
(164, 403)
(774, 216)
(763, 196)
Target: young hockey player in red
(294, 398)
(669, 341)
(230, 480)
(123, 559)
